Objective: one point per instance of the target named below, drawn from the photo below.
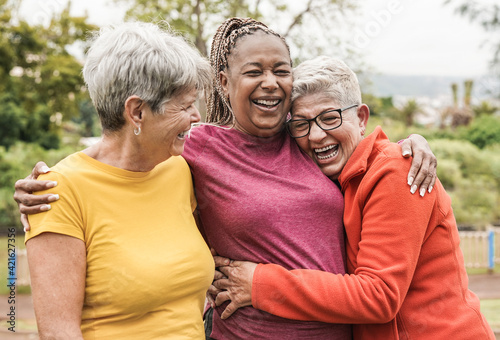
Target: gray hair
(140, 59)
(329, 76)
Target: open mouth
(268, 104)
(183, 134)
(327, 152)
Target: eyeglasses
(328, 120)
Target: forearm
(312, 295)
(384, 241)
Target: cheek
(303, 143)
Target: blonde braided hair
(218, 107)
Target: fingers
(40, 168)
(422, 174)
(406, 148)
(221, 261)
(31, 185)
(34, 204)
(222, 297)
(218, 275)
(25, 223)
(221, 284)
(210, 301)
(230, 309)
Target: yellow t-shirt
(148, 267)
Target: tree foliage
(485, 14)
(198, 19)
(39, 79)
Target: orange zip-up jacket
(407, 280)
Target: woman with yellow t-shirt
(119, 256)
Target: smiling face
(331, 149)
(258, 82)
(166, 132)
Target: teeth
(326, 148)
(182, 134)
(267, 102)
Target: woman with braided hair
(259, 197)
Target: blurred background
(430, 67)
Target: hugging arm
(57, 268)
(386, 262)
(422, 175)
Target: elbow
(59, 334)
(388, 311)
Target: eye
(330, 118)
(282, 72)
(253, 73)
(299, 125)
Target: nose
(195, 115)
(316, 133)
(269, 82)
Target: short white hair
(326, 75)
(140, 59)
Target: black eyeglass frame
(314, 119)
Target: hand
(237, 286)
(33, 204)
(423, 167)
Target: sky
(400, 37)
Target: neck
(122, 151)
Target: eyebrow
(277, 64)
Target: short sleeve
(65, 215)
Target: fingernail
(227, 262)
(406, 153)
(53, 198)
(24, 228)
(422, 192)
(45, 169)
(51, 184)
(430, 189)
(410, 180)
(45, 207)
(413, 189)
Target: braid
(218, 108)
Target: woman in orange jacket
(406, 272)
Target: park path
(485, 286)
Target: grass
(479, 271)
(491, 311)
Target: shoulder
(201, 138)
(71, 166)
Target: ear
(363, 115)
(224, 82)
(133, 110)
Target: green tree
(487, 15)
(484, 131)
(198, 19)
(41, 81)
(408, 111)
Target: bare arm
(33, 204)
(57, 267)
(423, 166)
